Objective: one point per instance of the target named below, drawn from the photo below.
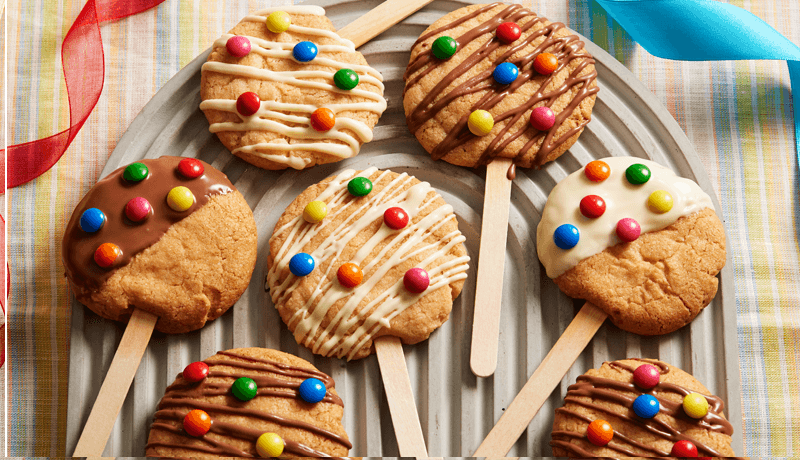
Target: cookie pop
(647, 258)
(499, 86)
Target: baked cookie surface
(440, 94)
(333, 319)
(308, 429)
(186, 267)
(280, 133)
(608, 394)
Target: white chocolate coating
(622, 198)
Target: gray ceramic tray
(456, 409)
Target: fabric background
(737, 114)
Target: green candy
(345, 79)
(135, 172)
(637, 174)
(444, 47)
(360, 186)
(244, 389)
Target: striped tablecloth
(737, 114)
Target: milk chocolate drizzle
(624, 393)
(566, 49)
(185, 394)
(111, 194)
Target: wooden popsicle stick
(116, 384)
(491, 262)
(544, 380)
(402, 407)
(379, 19)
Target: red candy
(597, 171)
(395, 218)
(195, 372)
(599, 432)
(323, 119)
(349, 275)
(138, 209)
(628, 230)
(191, 168)
(545, 63)
(238, 46)
(646, 376)
(248, 103)
(197, 423)
(684, 449)
(507, 32)
(592, 206)
(543, 118)
(416, 280)
(106, 254)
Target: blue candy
(301, 264)
(304, 51)
(566, 236)
(92, 220)
(312, 390)
(646, 406)
(505, 73)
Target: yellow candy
(480, 122)
(660, 201)
(269, 445)
(315, 211)
(695, 405)
(278, 21)
(180, 198)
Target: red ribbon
(84, 71)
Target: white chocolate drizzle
(360, 318)
(272, 115)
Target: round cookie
(280, 133)
(307, 429)
(410, 273)
(186, 267)
(440, 94)
(609, 393)
(659, 281)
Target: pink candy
(646, 376)
(543, 118)
(628, 229)
(137, 209)
(238, 46)
(416, 280)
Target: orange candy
(197, 423)
(599, 432)
(323, 119)
(545, 63)
(106, 254)
(597, 171)
(350, 275)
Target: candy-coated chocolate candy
(312, 390)
(323, 119)
(106, 254)
(597, 171)
(646, 376)
(304, 51)
(349, 275)
(138, 209)
(592, 206)
(92, 220)
(345, 79)
(628, 229)
(135, 172)
(315, 211)
(269, 445)
(197, 423)
(244, 389)
(566, 236)
(637, 174)
(238, 46)
(195, 372)
(508, 32)
(278, 21)
(684, 449)
(545, 63)
(695, 405)
(301, 264)
(543, 118)
(359, 186)
(248, 104)
(416, 280)
(480, 122)
(599, 432)
(395, 218)
(505, 73)
(180, 198)
(191, 168)
(646, 406)
(660, 201)
(444, 47)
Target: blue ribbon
(704, 30)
